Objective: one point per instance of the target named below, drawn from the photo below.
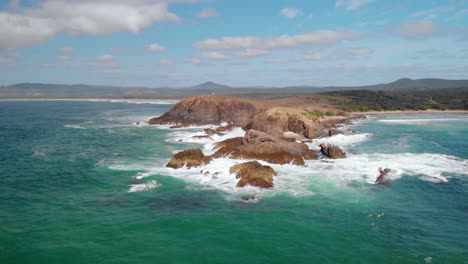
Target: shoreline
(142, 101)
(411, 112)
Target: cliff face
(211, 109)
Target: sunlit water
(85, 182)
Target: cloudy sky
(174, 43)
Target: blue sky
(155, 43)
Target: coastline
(411, 112)
(136, 101)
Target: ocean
(85, 182)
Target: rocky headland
(276, 132)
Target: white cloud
(104, 61)
(290, 12)
(359, 51)
(338, 54)
(14, 4)
(20, 31)
(166, 63)
(215, 55)
(64, 58)
(415, 29)
(155, 47)
(208, 13)
(66, 49)
(283, 41)
(32, 25)
(352, 4)
(249, 53)
(313, 56)
(195, 60)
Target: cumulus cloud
(352, 4)
(415, 29)
(64, 58)
(249, 53)
(283, 41)
(155, 47)
(208, 13)
(290, 12)
(166, 63)
(340, 54)
(215, 55)
(14, 4)
(104, 61)
(66, 49)
(20, 31)
(32, 25)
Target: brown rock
(189, 158)
(259, 145)
(220, 131)
(332, 151)
(333, 132)
(286, 120)
(211, 109)
(253, 173)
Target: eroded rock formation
(254, 174)
(189, 158)
(332, 151)
(261, 146)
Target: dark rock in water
(189, 158)
(381, 180)
(333, 132)
(250, 198)
(254, 174)
(332, 151)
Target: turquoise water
(81, 182)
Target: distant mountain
(77, 91)
(406, 83)
(209, 85)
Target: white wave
(144, 186)
(342, 140)
(303, 180)
(75, 126)
(194, 135)
(158, 102)
(423, 120)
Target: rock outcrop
(189, 158)
(254, 174)
(261, 146)
(283, 119)
(333, 132)
(332, 151)
(381, 180)
(204, 110)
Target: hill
(81, 91)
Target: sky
(180, 43)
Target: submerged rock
(332, 151)
(189, 158)
(381, 180)
(254, 174)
